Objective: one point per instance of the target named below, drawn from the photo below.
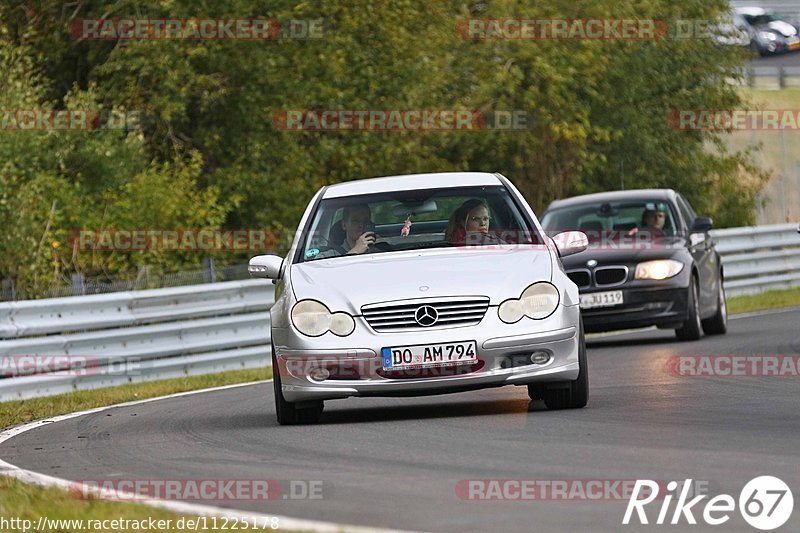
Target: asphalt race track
(791, 59)
(395, 463)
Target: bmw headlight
(768, 35)
(538, 301)
(660, 269)
(312, 318)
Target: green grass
(779, 154)
(767, 300)
(20, 411)
(29, 502)
(21, 500)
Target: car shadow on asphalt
(609, 342)
(427, 412)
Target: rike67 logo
(765, 503)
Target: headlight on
(768, 35)
(312, 318)
(538, 301)
(660, 269)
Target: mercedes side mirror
(571, 242)
(265, 266)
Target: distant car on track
(636, 274)
(417, 308)
(733, 31)
(768, 33)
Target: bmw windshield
(614, 220)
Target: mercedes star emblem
(426, 315)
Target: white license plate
(429, 355)
(601, 299)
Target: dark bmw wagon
(650, 262)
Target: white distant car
(768, 33)
(420, 285)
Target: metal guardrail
(759, 258)
(772, 77)
(111, 339)
(63, 344)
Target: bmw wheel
(692, 328)
(718, 324)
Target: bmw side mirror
(265, 266)
(701, 225)
(571, 242)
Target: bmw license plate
(429, 355)
(601, 299)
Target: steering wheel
(382, 246)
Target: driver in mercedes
(358, 237)
(355, 220)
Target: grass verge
(20, 411)
(22, 501)
(22, 505)
(779, 154)
(763, 301)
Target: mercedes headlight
(660, 269)
(312, 318)
(538, 301)
(768, 35)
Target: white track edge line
(43, 480)
(764, 312)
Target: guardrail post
(9, 293)
(781, 78)
(751, 77)
(78, 284)
(208, 270)
(142, 277)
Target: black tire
(692, 328)
(718, 324)
(569, 394)
(287, 412)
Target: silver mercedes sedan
(419, 285)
